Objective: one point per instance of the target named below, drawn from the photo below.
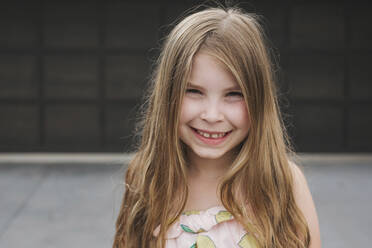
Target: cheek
(238, 114)
(189, 110)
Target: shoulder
(305, 203)
(299, 180)
(300, 186)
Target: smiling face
(214, 118)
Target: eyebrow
(237, 87)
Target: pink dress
(214, 227)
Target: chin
(209, 154)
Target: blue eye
(235, 94)
(193, 91)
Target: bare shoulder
(305, 202)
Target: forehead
(208, 71)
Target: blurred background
(72, 76)
(73, 72)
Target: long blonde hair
(258, 188)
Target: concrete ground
(72, 203)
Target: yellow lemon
(203, 241)
(191, 212)
(223, 216)
(247, 241)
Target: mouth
(211, 134)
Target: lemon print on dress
(203, 241)
(191, 212)
(222, 216)
(247, 241)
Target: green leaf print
(187, 229)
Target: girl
(213, 168)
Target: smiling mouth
(211, 135)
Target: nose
(212, 112)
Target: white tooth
(206, 135)
(220, 135)
(215, 136)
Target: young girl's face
(214, 118)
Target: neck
(208, 169)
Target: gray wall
(72, 72)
